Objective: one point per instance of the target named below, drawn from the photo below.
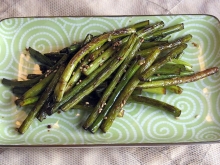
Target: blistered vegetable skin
(102, 73)
(33, 113)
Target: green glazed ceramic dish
(141, 125)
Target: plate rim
(108, 145)
(211, 15)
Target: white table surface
(205, 154)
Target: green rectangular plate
(141, 125)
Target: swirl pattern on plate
(141, 123)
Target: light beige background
(206, 154)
